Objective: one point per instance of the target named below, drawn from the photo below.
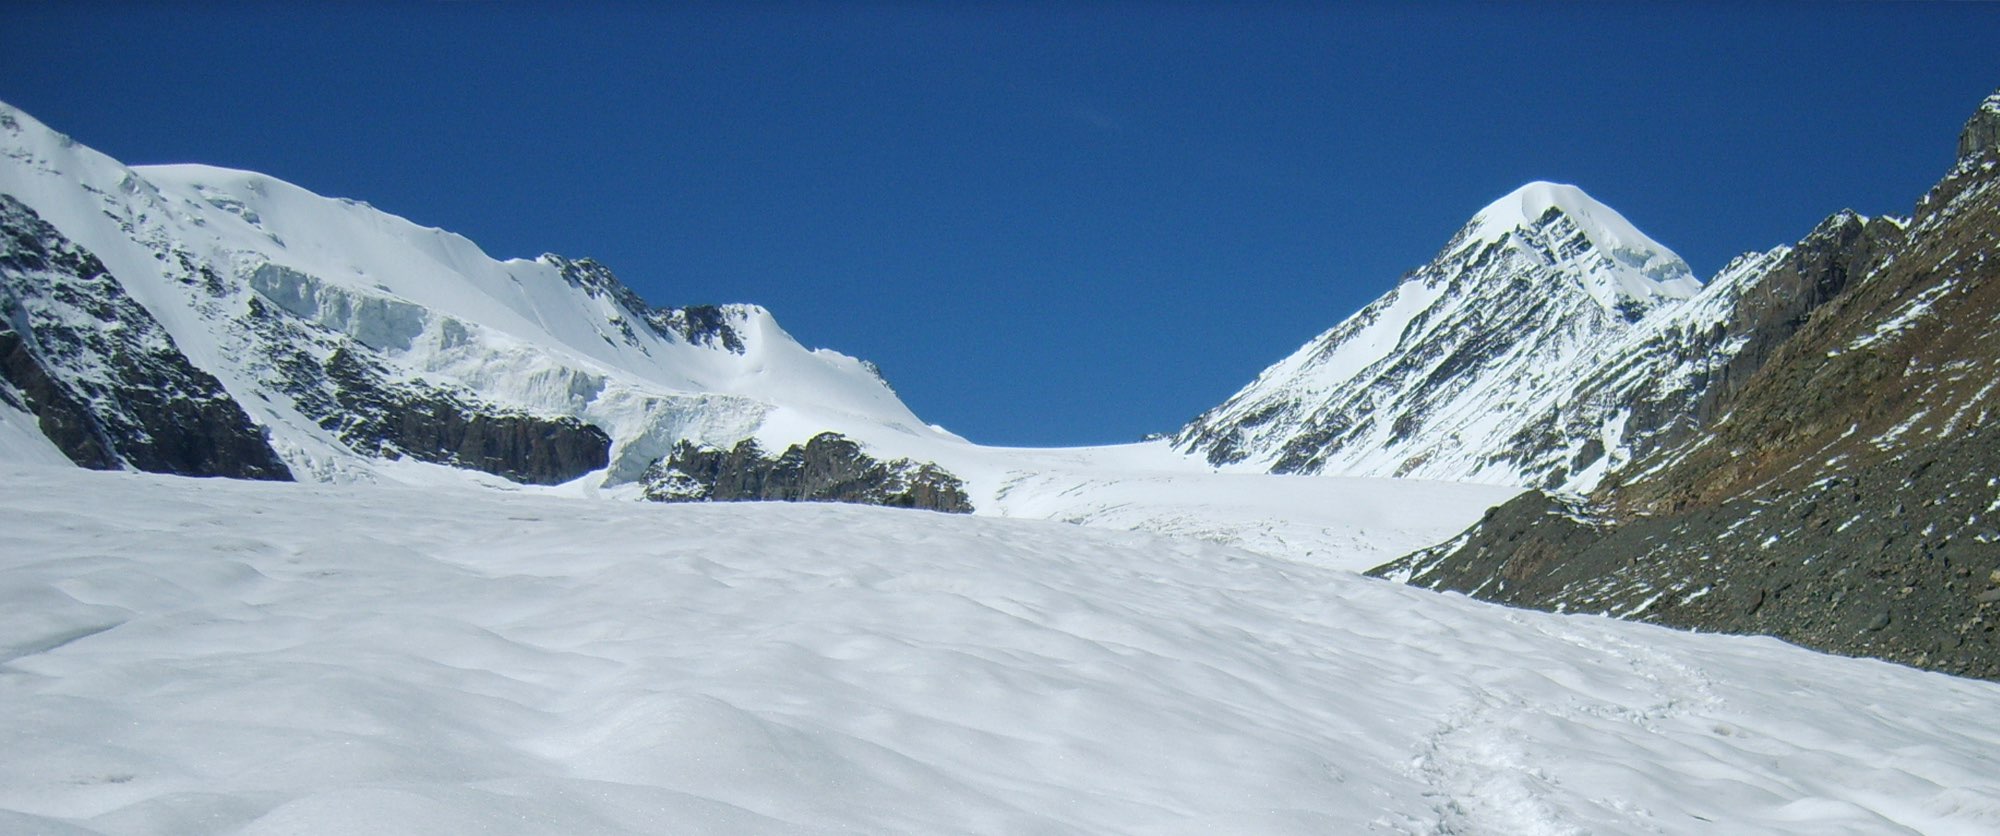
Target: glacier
(210, 656)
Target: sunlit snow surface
(1343, 522)
(211, 657)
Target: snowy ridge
(254, 277)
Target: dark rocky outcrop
(67, 423)
(106, 383)
(1843, 496)
(1980, 138)
(1778, 304)
(433, 425)
(827, 468)
(1520, 552)
(337, 380)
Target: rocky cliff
(104, 379)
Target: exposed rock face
(103, 378)
(363, 404)
(1522, 552)
(1981, 137)
(67, 423)
(1844, 497)
(1900, 360)
(438, 426)
(1774, 306)
(1898, 560)
(827, 468)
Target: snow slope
(1353, 523)
(22, 442)
(210, 656)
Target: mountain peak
(1527, 204)
(1645, 269)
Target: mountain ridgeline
(1838, 485)
(208, 322)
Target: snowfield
(188, 656)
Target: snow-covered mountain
(289, 334)
(1547, 344)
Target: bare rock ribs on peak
(1508, 359)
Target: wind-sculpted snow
(202, 656)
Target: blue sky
(1049, 223)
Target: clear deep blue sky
(1049, 223)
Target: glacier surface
(229, 657)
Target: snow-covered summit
(1635, 269)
